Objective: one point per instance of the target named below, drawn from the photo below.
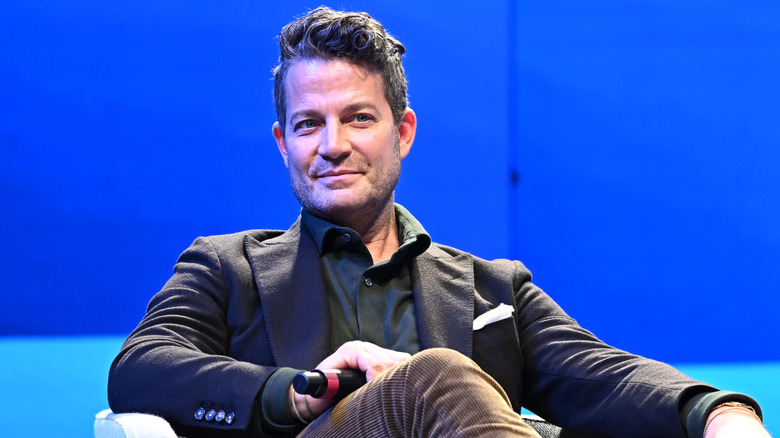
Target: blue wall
(643, 137)
(648, 142)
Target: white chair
(111, 425)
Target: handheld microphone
(328, 383)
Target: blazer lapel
(444, 300)
(292, 293)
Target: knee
(442, 372)
(440, 354)
(441, 361)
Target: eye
(362, 119)
(305, 125)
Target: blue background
(626, 151)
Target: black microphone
(328, 383)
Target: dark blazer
(241, 305)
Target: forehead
(332, 82)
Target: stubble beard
(351, 206)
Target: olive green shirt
(369, 302)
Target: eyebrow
(358, 106)
(303, 114)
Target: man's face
(341, 146)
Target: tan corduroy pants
(436, 393)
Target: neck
(378, 229)
(382, 239)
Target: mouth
(335, 179)
(335, 173)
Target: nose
(334, 143)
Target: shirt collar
(411, 234)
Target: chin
(345, 204)
(341, 208)
(338, 208)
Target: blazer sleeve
(573, 379)
(180, 359)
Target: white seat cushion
(111, 425)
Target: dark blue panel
(128, 130)
(648, 147)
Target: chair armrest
(549, 430)
(542, 427)
(135, 425)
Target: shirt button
(346, 237)
(368, 282)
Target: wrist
(274, 400)
(299, 407)
(697, 409)
(719, 414)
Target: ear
(279, 136)
(406, 131)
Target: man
(450, 344)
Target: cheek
(300, 167)
(296, 157)
(295, 165)
(378, 149)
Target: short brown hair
(354, 37)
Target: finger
(374, 359)
(316, 406)
(365, 356)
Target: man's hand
(731, 422)
(357, 355)
(363, 356)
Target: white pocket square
(503, 311)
